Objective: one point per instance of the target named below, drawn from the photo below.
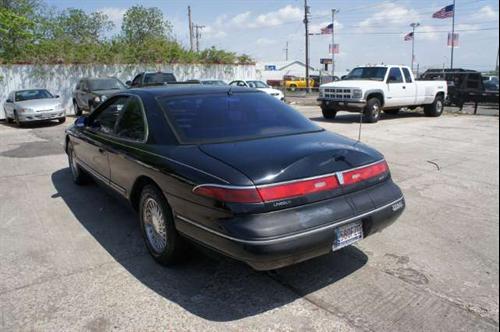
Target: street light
(414, 26)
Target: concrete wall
(61, 79)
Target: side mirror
(9, 101)
(82, 122)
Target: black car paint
(240, 230)
(84, 98)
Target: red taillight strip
(364, 173)
(293, 188)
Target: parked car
(372, 90)
(90, 92)
(32, 105)
(235, 170)
(145, 79)
(464, 86)
(213, 82)
(261, 86)
(293, 83)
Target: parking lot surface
(72, 258)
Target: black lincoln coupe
(234, 170)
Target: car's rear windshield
(32, 95)
(159, 78)
(215, 118)
(106, 84)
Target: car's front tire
(17, 121)
(158, 229)
(329, 113)
(62, 120)
(78, 110)
(373, 110)
(435, 109)
(79, 177)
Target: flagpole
(414, 26)
(333, 41)
(453, 34)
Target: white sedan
(259, 85)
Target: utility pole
(197, 29)
(414, 26)
(306, 23)
(453, 33)
(334, 11)
(191, 40)
(286, 51)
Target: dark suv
(152, 79)
(90, 92)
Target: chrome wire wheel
(72, 164)
(375, 111)
(155, 226)
(439, 106)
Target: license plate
(347, 235)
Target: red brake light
(233, 195)
(365, 173)
(300, 188)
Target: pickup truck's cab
(388, 88)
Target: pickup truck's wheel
(373, 110)
(78, 110)
(328, 112)
(436, 108)
(158, 229)
(293, 87)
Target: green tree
(81, 27)
(140, 24)
(16, 34)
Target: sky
(368, 31)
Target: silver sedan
(32, 105)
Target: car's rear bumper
(271, 252)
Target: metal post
(414, 26)
(334, 11)
(453, 34)
(306, 23)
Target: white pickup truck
(372, 90)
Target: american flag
(328, 30)
(409, 36)
(446, 12)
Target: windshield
(214, 82)
(32, 94)
(159, 78)
(217, 118)
(257, 84)
(106, 84)
(367, 73)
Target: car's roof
(187, 90)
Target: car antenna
(360, 126)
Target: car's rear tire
(78, 175)
(373, 110)
(158, 229)
(329, 113)
(435, 109)
(78, 110)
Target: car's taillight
(365, 173)
(230, 195)
(299, 188)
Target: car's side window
(137, 80)
(395, 76)
(407, 74)
(131, 124)
(106, 118)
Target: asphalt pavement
(72, 258)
